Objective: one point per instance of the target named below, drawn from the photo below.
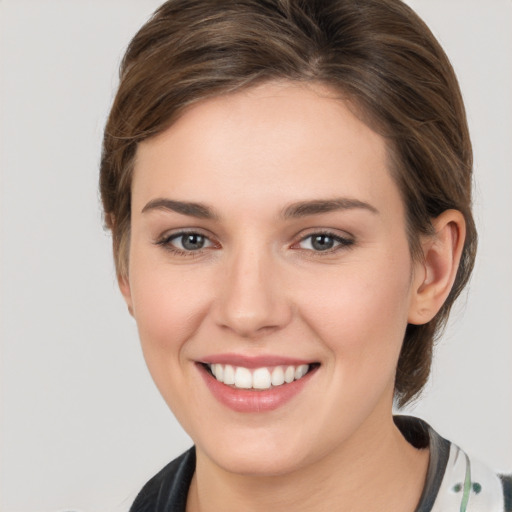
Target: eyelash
(340, 241)
(166, 243)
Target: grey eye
(322, 242)
(192, 241)
(186, 242)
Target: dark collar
(421, 435)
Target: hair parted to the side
(377, 54)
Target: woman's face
(268, 234)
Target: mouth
(258, 379)
(248, 386)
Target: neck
(377, 469)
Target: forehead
(281, 141)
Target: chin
(258, 453)
(260, 464)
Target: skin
(258, 286)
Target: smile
(255, 385)
(258, 378)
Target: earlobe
(124, 286)
(434, 276)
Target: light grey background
(82, 426)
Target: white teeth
(289, 374)
(277, 376)
(243, 378)
(301, 371)
(218, 371)
(259, 378)
(229, 375)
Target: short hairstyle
(377, 54)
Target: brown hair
(376, 53)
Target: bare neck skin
(377, 470)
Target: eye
(190, 241)
(324, 242)
(186, 242)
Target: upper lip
(254, 361)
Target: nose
(252, 300)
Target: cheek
(167, 307)
(169, 312)
(361, 314)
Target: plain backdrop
(82, 426)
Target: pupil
(193, 242)
(322, 242)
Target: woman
(288, 185)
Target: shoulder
(456, 481)
(469, 485)
(168, 489)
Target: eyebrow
(197, 210)
(319, 206)
(295, 210)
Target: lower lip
(250, 400)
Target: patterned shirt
(454, 482)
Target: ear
(124, 285)
(434, 276)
